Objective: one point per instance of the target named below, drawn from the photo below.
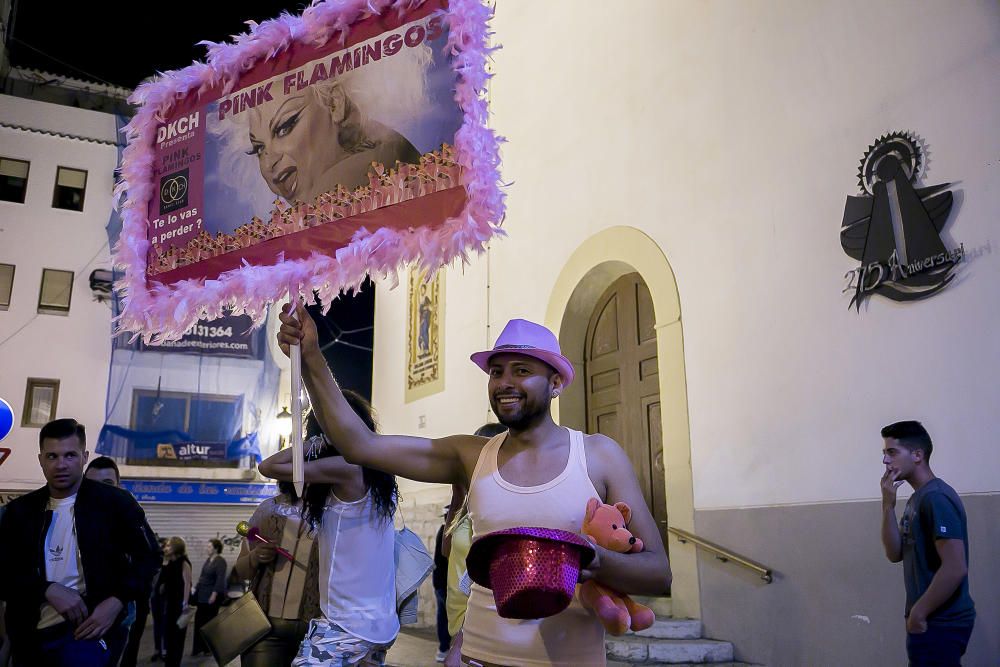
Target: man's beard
(526, 418)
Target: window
(6, 285)
(40, 399)
(13, 179)
(70, 186)
(57, 288)
(211, 421)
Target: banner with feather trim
(309, 152)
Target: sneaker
(440, 656)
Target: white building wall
(731, 134)
(462, 407)
(73, 348)
(76, 348)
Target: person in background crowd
(440, 581)
(288, 591)
(104, 469)
(209, 593)
(4, 640)
(932, 540)
(66, 600)
(157, 609)
(143, 606)
(457, 542)
(175, 587)
(357, 551)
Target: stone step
(643, 650)
(661, 606)
(613, 663)
(671, 628)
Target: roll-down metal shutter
(196, 524)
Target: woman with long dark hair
(353, 519)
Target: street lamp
(284, 420)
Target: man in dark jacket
(75, 553)
(209, 593)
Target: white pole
(298, 458)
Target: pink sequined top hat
(530, 339)
(533, 571)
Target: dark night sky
(123, 43)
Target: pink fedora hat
(530, 339)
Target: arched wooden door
(623, 391)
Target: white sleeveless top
(572, 638)
(357, 577)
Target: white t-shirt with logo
(62, 555)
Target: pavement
(413, 648)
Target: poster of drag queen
(310, 147)
(305, 154)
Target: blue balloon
(6, 419)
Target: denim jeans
(58, 648)
(444, 639)
(938, 647)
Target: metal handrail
(722, 553)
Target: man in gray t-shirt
(932, 541)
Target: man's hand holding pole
(298, 330)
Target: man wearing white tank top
(537, 474)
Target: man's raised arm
(421, 459)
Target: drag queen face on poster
(304, 143)
(312, 140)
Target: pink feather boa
(160, 312)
